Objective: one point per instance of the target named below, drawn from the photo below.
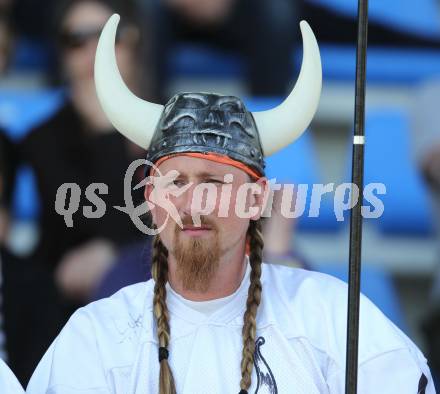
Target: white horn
(132, 116)
(282, 125)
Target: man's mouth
(196, 230)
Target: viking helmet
(207, 123)
(204, 122)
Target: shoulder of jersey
(127, 303)
(313, 306)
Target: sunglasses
(79, 38)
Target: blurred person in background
(78, 145)
(29, 308)
(6, 40)
(7, 168)
(261, 31)
(425, 119)
(8, 262)
(12, 276)
(5, 5)
(28, 16)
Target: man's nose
(185, 201)
(198, 200)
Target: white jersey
(110, 346)
(8, 382)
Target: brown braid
(252, 303)
(159, 272)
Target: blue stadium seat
(385, 64)
(26, 202)
(193, 60)
(421, 17)
(297, 164)
(20, 111)
(388, 160)
(376, 284)
(30, 55)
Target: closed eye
(218, 181)
(179, 182)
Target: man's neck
(232, 268)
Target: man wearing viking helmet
(215, 318)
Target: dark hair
(8, 163)
(6, 22)
(126, 8)
(131, 15)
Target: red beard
(197, 258)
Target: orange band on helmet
(217, 158)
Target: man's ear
(261, 198)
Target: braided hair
(159, 272)
(252, 303)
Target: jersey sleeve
(399, 371)
(389, 362)
(403, 371)
(72, 364)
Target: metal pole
(356, 217)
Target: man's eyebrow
(206, 174)
(203, 174)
